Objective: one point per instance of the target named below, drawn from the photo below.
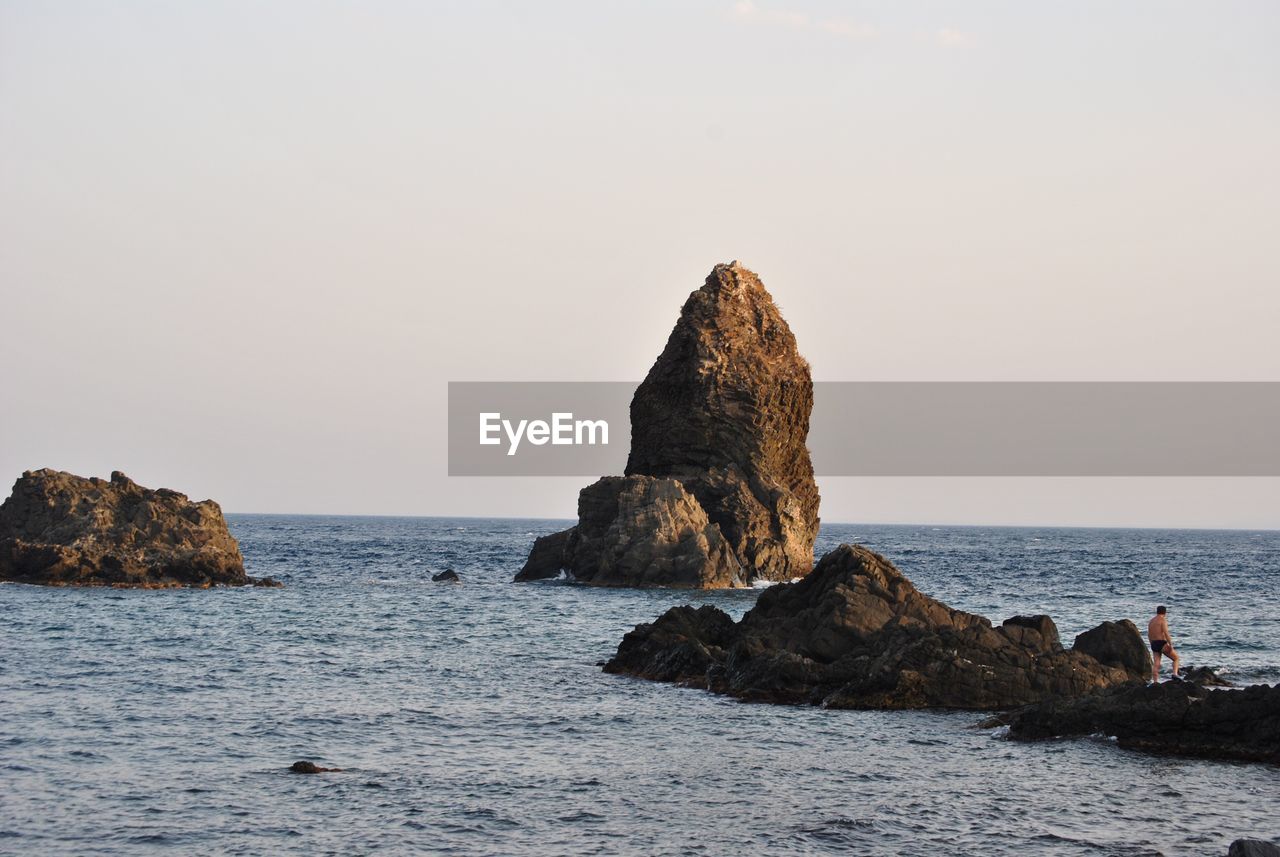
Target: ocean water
(474, 718)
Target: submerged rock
(305, 767)
(64, 530)
(1176, 717)
(1253, 848)
(718, 474)
(1205, 677)
(446, 576)
(855, 633)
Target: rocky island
(718, 489)
(59, 529)
(855, 633)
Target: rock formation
(1175, 717)
(446, 576)
(855, 633)
(1253, 848)
(719, 487)
(65, 530)
(1112, 643)
(638, 531)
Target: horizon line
(820, 523)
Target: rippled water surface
(473, 718)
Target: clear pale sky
(244, 247)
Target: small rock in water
(305, 767)
(1204, 676)
(1253, 848)
(447, 576)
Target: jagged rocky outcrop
(65, 530)
(855, 633)
(719, 488)
(1175, 717)
(640, 531)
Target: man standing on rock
(1161, 643)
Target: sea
(474, 718)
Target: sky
(245, 246)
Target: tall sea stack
(719, 487)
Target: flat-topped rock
(60, 529)
(856, 633)
(721, 422)
(1181, 718)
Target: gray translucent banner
(905, 429)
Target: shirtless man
(1161, 643)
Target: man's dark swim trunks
(1157, 646)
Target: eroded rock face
(855, 633)
(637, 531)
(1177, 717)
(60, 529)
(722, 416)
(725, 410)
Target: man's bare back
(1158, 628)
(1161, 643)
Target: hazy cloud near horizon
(244, 247)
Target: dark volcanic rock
(60, 529)
(305, 767)
(1205, 677)
(1118, 644)
(1176, 717)
(550, 555)
(855, 633)
(1253, 848)
(637, 531)
(683, 646)
(1037, 633)
(447, 576)
(721, 420)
